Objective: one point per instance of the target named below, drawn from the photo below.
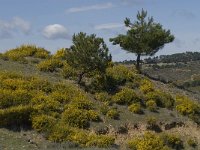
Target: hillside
(43, 107)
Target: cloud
(55, 31)
(108, 26)
(91, 7)
(9, 28)
(132, 2)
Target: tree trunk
(80, 77)
(138, 63)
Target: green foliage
(162, 99)
(173, 141)
(68, 72)
(50, 65)
(149, 141)
(103, 97)
(10, 98)
(192, 142)
(135, 108)
(187, 107)
(144, 37)
(15, 116)
(43, 123)
(146, 86)
(126, 96)
(88, 54)
(60, 133)
(19, 53)
(151, 105)
(76, 118)
(120, 74)
(102, 141)
(93, 116)
(113, 114)
(60, 54)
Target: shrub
(151, 105)
(81, 102)
(120, 74)
(61, 54)
(93, 116)
(104, 109)
(103, 97)
(68, 72)
(192, 142)
(80, 137)
(19, 53)
(186, 106)
(152, 124)
(161, 99)
(173, 141)
(126, 96)
(50, 65)
(135, 108)
(60, 133)
(60, 96)
(44, 104)
(149, 141)
(15, 116)
(146, 86)
(13, 98)
(76, 118)
(43, 123)
(113, 114)
(102, 141)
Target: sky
(52, 23)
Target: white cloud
(108, 26)
(91, 7)
(17, 24)
(55, 31)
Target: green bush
(44, 104)
(146, 86)
(135, 108)
(126, 96)
(113, 114)
(10, 98)
(76, 118)
(93, 116)
(120, 74)
(60, 133)
(15, 116)
(43, 123)
(68, 72)
(186, 106)
(173, 141)
(192, 142)
(149, 141)
(50, 65)
(102, 141)
(61, 54)
(151, 105)
(103, 97)
(161, 99)
(20, 53)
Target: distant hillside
(173, 58)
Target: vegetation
(88, 54)
(113, 103)
(144, 37)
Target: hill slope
(41, 109)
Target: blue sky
(51, 23)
